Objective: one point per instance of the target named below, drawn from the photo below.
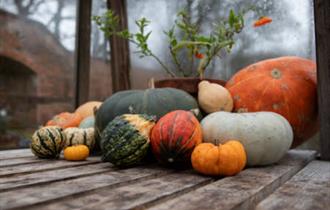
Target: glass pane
(290, 33)
(100, 72)
(37, 40)
(291, 19)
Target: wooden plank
(19, 161)
(244, 190)
(322, 35)
(15, 153)
(307, 190)
(132, 196)
(35, 196)
(120, 63)
(23, 180)
(44, 165)
(82, 52)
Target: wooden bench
(298, 181)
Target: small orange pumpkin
(77, 152)
(65, 120)
(87, 109)
(224, 160)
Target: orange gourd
(77, 152)
(285, 85)
(226, 159)
(87, 109)
(65, 120)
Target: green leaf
(231, 18)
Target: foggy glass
(290, 33)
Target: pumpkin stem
(195, 112)
(151, 83)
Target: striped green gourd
(125, 140)
(48, 142)
(76, 136)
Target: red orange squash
(65, 120)
(87, 109)
(174, 137)
(285, 85)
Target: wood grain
(307, 190)
(23, 180)
(16, 153)
(82, 51)
(322, 35)
(44, 165)
(19, 161)
(35, 196)
(120, 62)
(132, 196)
(244, 190)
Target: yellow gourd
(77, 152)
(213, 97)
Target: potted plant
(200, 49)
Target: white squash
(76, 136)
(266, 136)
(213, 97)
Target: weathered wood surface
(322, 37)
(17, 153)
(82, 51)
(65, 190)
(308, 189)
(120, 61)
(23, 180)
(133, 195)
(19, 161)
(43, 165)
(94, 185)
(244, 190)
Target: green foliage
(198, 46)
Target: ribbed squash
(48, 142)
(266, 136)
(125, 140)
(225, 159)
(77, 136)
(155, 102)
(285, 85)
(174, 137)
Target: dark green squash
(156, 102)
(48, 142)
(125, 140)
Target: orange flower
(199, 55)
(262, 21)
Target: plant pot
(189, 84)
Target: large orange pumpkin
(87, 109)
(285, 85)
(174, 137)
(65, 120)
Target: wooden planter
(189, 84)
